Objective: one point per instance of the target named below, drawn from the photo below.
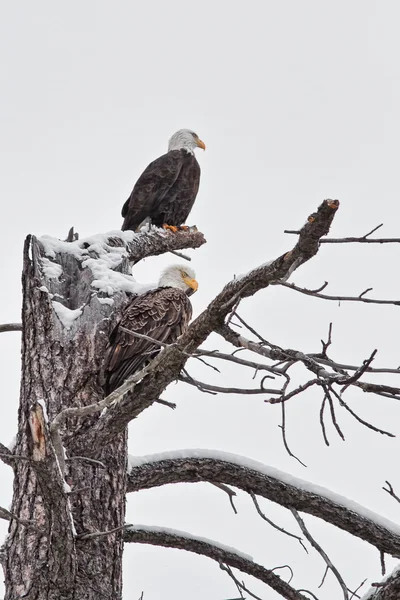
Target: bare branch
(281, 529)
(354, 594)
(391, 491)
(177, 539)
(365, 239)
(285, 567)
(10, 327)
(322, 552)
(283, 429)
(166, 403)
(227, 490)
(240, 585)
(95, 534)
(271, 484)
(225, 390)
(360, 298)
(359, 419)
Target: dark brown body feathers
(162, 314)
(165, 192)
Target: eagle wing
(150, 188)
(161, 314)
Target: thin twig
(359, 298)
(359, 419)
(391, 491)
(87, 536)
(284, 436)
(285, 567)
(227, 490)
(332, 410)
(166, 403)
(184, 256)
(225, 390)
(325, 345)
(296, 537)
(321, 420)
(383, 568)
(239, 585)
(354, 594)
(319, 549)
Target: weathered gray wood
(63, 496)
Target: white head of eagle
(181, 277)
(185, 139)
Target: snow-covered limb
(171, 538)
(387, 588)
(191, 466)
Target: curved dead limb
(269, 483)
(141, 534)
(4, 327)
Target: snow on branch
(387, 588)
(171, 538)
(192, 466)
(169, 363)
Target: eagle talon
(184, 228)
(170, 228)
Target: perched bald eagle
(165, 192)
(162, 314)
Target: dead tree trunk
(60, 368)
(67, 315)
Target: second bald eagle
(166, 190)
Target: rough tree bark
(67, 526)
(60, 368)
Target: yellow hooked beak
(200, 143)
(192, 283)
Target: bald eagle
(165, 192)
(162, 314)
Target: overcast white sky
(297, 102)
